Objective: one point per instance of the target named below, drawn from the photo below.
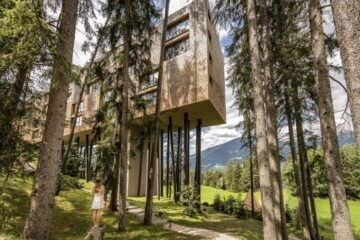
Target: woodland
(281, 79)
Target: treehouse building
(193, 96)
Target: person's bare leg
(94, 217)
(98, 217)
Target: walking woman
(98, 202)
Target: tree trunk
(299, 190)
(269, 227)
(168, 164)
(304, 155)
(140, 167)
(173, 164)
(10, 111)
(82, 90)
(272, 138)
(339, 208)
(38, 222)
(346, 15)
(178, 163)
(303, 163)
(250, 144)
(123, 170)
(156, 128)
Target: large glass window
(177, 48)
(150, 98)
(81, 107)
(177, 29)
(78, 121)
(153, 78)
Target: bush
(192, 203)
(229, 205)
(7, 212)
(239, 209)
(68, 183)
(292, 216)
(217, 204)
(206, 204)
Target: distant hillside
(218, 156)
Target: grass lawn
(245, 228)
(72, 216)
(241, 228)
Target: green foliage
(292, 216)
(350, 164)
(239, 209)
(7, 212)
(75, 161)
(235, 177)
(230, 206)
(191, 203)
(70, 183)
(217, 203)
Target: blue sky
(215, 135)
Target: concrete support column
(197, 180)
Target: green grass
(242, 228)
(246, 228)
(324, 214)
(72, 216)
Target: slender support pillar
(197, 180)
(90, 159)
(173, 167)
(158, 169)
(186, 149)
(78, 144)
(140, 167)
(167, 163)
(188, 152)
(162, 163)
(178, 164)
(86, 157)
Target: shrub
(7, 211)
(217, 204)
(239, 209)
(206, 204)
(292, 216)
(68, 183)
(192, 203)
(229, 205)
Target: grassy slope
(247, 228)
(72, 216)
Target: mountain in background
(217, 157)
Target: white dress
(98, 202)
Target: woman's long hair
(97, 186)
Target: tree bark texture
(346, 15)
(271, 121)
(37, 225)
(156, 127)
(269, 227)
(338, 201)
(123, 170)
(299, 190)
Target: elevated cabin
(193, 94)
